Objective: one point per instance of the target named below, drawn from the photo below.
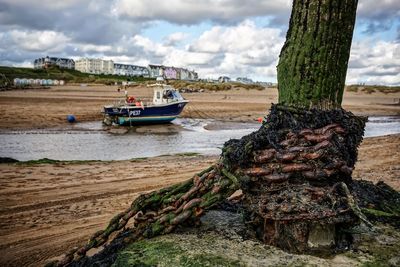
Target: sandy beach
(32, 109)
(46, 209)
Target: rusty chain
(159, 212)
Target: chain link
(159, 212)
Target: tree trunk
(313, 61)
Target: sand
(46, 209)
(22, 109)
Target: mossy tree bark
(313, 61)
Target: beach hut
(49, 82)
(56, 82)
(37, 81)
(43, 82)
(61, 82)
(31, 81)
(24, 81)
(17, 81)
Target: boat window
(158, 95)
(177, 95)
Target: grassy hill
(71, 76)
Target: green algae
(377, 213)
(165, 253)
(54, 161)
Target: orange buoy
(260, 119)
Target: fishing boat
(167, 104)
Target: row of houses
(172, 73)
(101, 66)
(244, 80)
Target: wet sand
(46, 209)
(22, 109)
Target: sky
(213, 37)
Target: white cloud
(156, 49)
(241, 50)
(39, 40)
(369, 8)
(94, 48)
(234, 44)
(246, 49)
(374, 63)
(175, 38)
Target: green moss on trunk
(313, 61)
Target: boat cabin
(165, 94)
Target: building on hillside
(130, 70)
(186, 75)
(224, 79)
(156, 71)
(193, 76)
(45, 62)
(190, 75)
(182, 74)
(265, 84)
(244, 80)
(170, 73)
(94, 66)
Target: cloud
(87, 21)
(175, 38)
(193, 11)
(386, 9)
(246, 49)
(229, 37)
(378, 18)
(374, 63)
(38, 40)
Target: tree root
(292, 171)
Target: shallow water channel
(92, 141)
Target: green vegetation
(164, 253)
(74, 76)
(383, 247)
(369, 89)
(184, 154)
(377, 213)
(213, 86)
(70, 76)
(53, 161)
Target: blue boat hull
(134, 115)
